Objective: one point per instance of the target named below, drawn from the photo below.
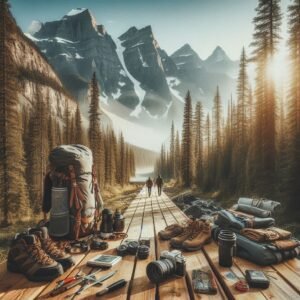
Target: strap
(76, 199)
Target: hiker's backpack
(71, 168)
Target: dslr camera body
(170, 263)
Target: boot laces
(189, 228)
(39, 254)
(51, 248)
(197, 228)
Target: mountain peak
(218, 55)
(186, 57)
(76, 11)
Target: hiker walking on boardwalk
(149, 184)
(159, 182)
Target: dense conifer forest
(252, 146)
(27, 135)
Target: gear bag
(71, 166)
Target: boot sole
(11, 267)
(196, 248)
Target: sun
(278, 69)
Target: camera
(170, 263)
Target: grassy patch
(113, 197)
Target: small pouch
(257, 279)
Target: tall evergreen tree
(172, 151)
(94, 132)
(217, 118)
(293, 117)
(198, 144)
(187, 142)
(79, 134)
(265, 41)
(177, 157)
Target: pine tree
(79, 138)
(94, 132)
(293, 117)
(172, 151)
(208, 168)
(217, 118)
(198, 145)
(187, 142)
(122, 155)
(177, 157)
(266, 39)
(67, 124)
(13, 190)
(241, 144)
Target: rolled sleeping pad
(252, 210)
(265, 204)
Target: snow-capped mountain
(219, 62)
(139, 80)
(76, 47)
(186, 58)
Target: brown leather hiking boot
(170, 231)
(51, 248)
(193, 226)
(198, 238)
(26, 256)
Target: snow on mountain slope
(138, 90)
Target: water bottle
(227, 246)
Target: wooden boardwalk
(144, 218)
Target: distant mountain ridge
(132, 70)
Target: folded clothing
(265, 235)
(252, 210)
(286, 244)
(260, 203)
(262, 254)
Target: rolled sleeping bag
(252, 210)
(265, 204)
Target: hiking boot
(50, 247)
(177, 241)
(26, 256)
(198, 238)
(170, 231)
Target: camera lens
(160, 270)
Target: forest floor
(285, 218)
(113, 198)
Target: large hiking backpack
(71, 168)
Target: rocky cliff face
(76, 47)
(143, 61)
(35, 73)
(139, 80)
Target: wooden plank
(141, 287)
(173, 288)
(126, 267)
(24, 289)
(195, 259)
(229, 276)
(279, 288)
(290, 271)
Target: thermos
(59, 224)
(119, 221)
(106, 228)
(227, 246)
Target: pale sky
(203, 24)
